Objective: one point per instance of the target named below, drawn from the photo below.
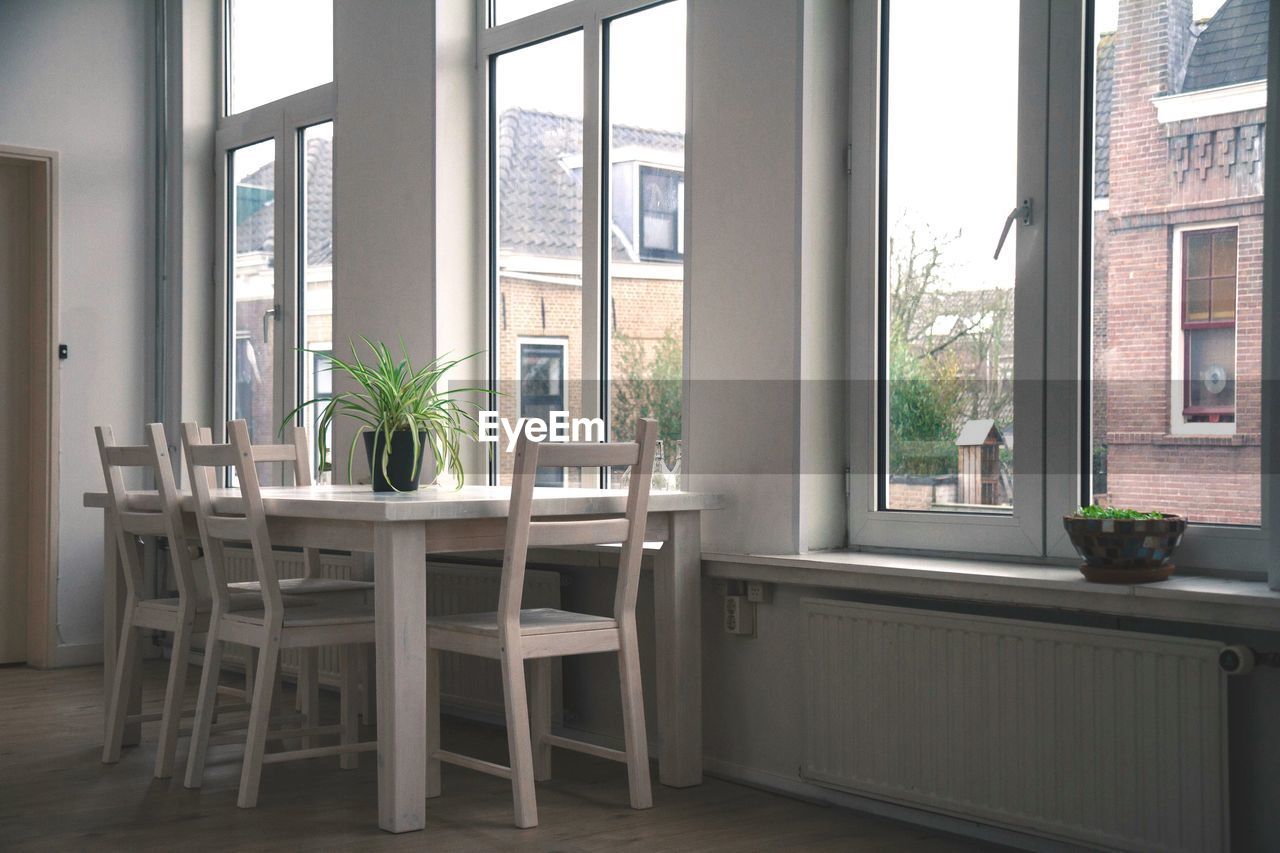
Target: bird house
(978, 480)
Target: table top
(430, 503)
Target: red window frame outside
(1192, 325)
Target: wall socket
(757, 592)
(739, 616)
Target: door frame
(44, 409)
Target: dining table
(398, 530)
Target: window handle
(270, 314)
(1024, 211)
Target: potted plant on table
(407, 419)
(1124, 545)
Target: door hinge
(848, 483)
(848, 159)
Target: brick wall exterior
(1162, 177)
(645, 309)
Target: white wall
(384, 179)
(76, 79)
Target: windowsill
(1182, 598)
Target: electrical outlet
(739, 616)
(757, 592)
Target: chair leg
(369, 687)
(521, 752)
(173, 692)
(349, 702)
(433, 722)
(206, 704)
(264, 689)
(637, 742)
(309, 692)
(121, 689)
(540, 716)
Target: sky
(953, 128)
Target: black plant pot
(402, 474)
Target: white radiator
(1111, 739)
(467, 683)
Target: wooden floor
(56, 795)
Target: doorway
(28, 405)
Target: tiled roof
(540, 185)
(1103, 91)
(540, 194)
(256, 232)
(1232, 49)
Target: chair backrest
(524, 533)
(218, 526)
(131, 520)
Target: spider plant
(394, 395)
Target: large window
(275, 167)
(1112, 350)
(587, 215)
(948, 320)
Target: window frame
(591, 18)
(284, 121)
(1064, 435)
(1022, 532)
(1180, 354)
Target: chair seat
(308, 586)
(239, 601)
(544, 620)
(310, 617)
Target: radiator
(468, 684)
(1106, 738)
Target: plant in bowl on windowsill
(407, 418)
(1124, 545)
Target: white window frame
(590, 17)
(284, 121)
(1023, 532)
(1061, 437)
(1178, 423)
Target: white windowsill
(1182, 598)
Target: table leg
(677, 584)
(113, 598)
(400, 606)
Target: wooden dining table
(399, 530)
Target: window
(276, 48)
(587, 214)
(1208, 320)
(661, 214)
(951, 333)
(542, 390)
(275, 164)
(506, 11)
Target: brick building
(1177, 297)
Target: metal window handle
(1024, 211)
(273, 313)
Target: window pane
(646, 92)
(1211, 370)
(277, 48)
(315, 289)
(505, 11)
(1177, 220)
(538, 141)
(949, 304)
(252, 331)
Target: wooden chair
(184, 616)
(512, 635)
(297, 452)
(270, 628)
